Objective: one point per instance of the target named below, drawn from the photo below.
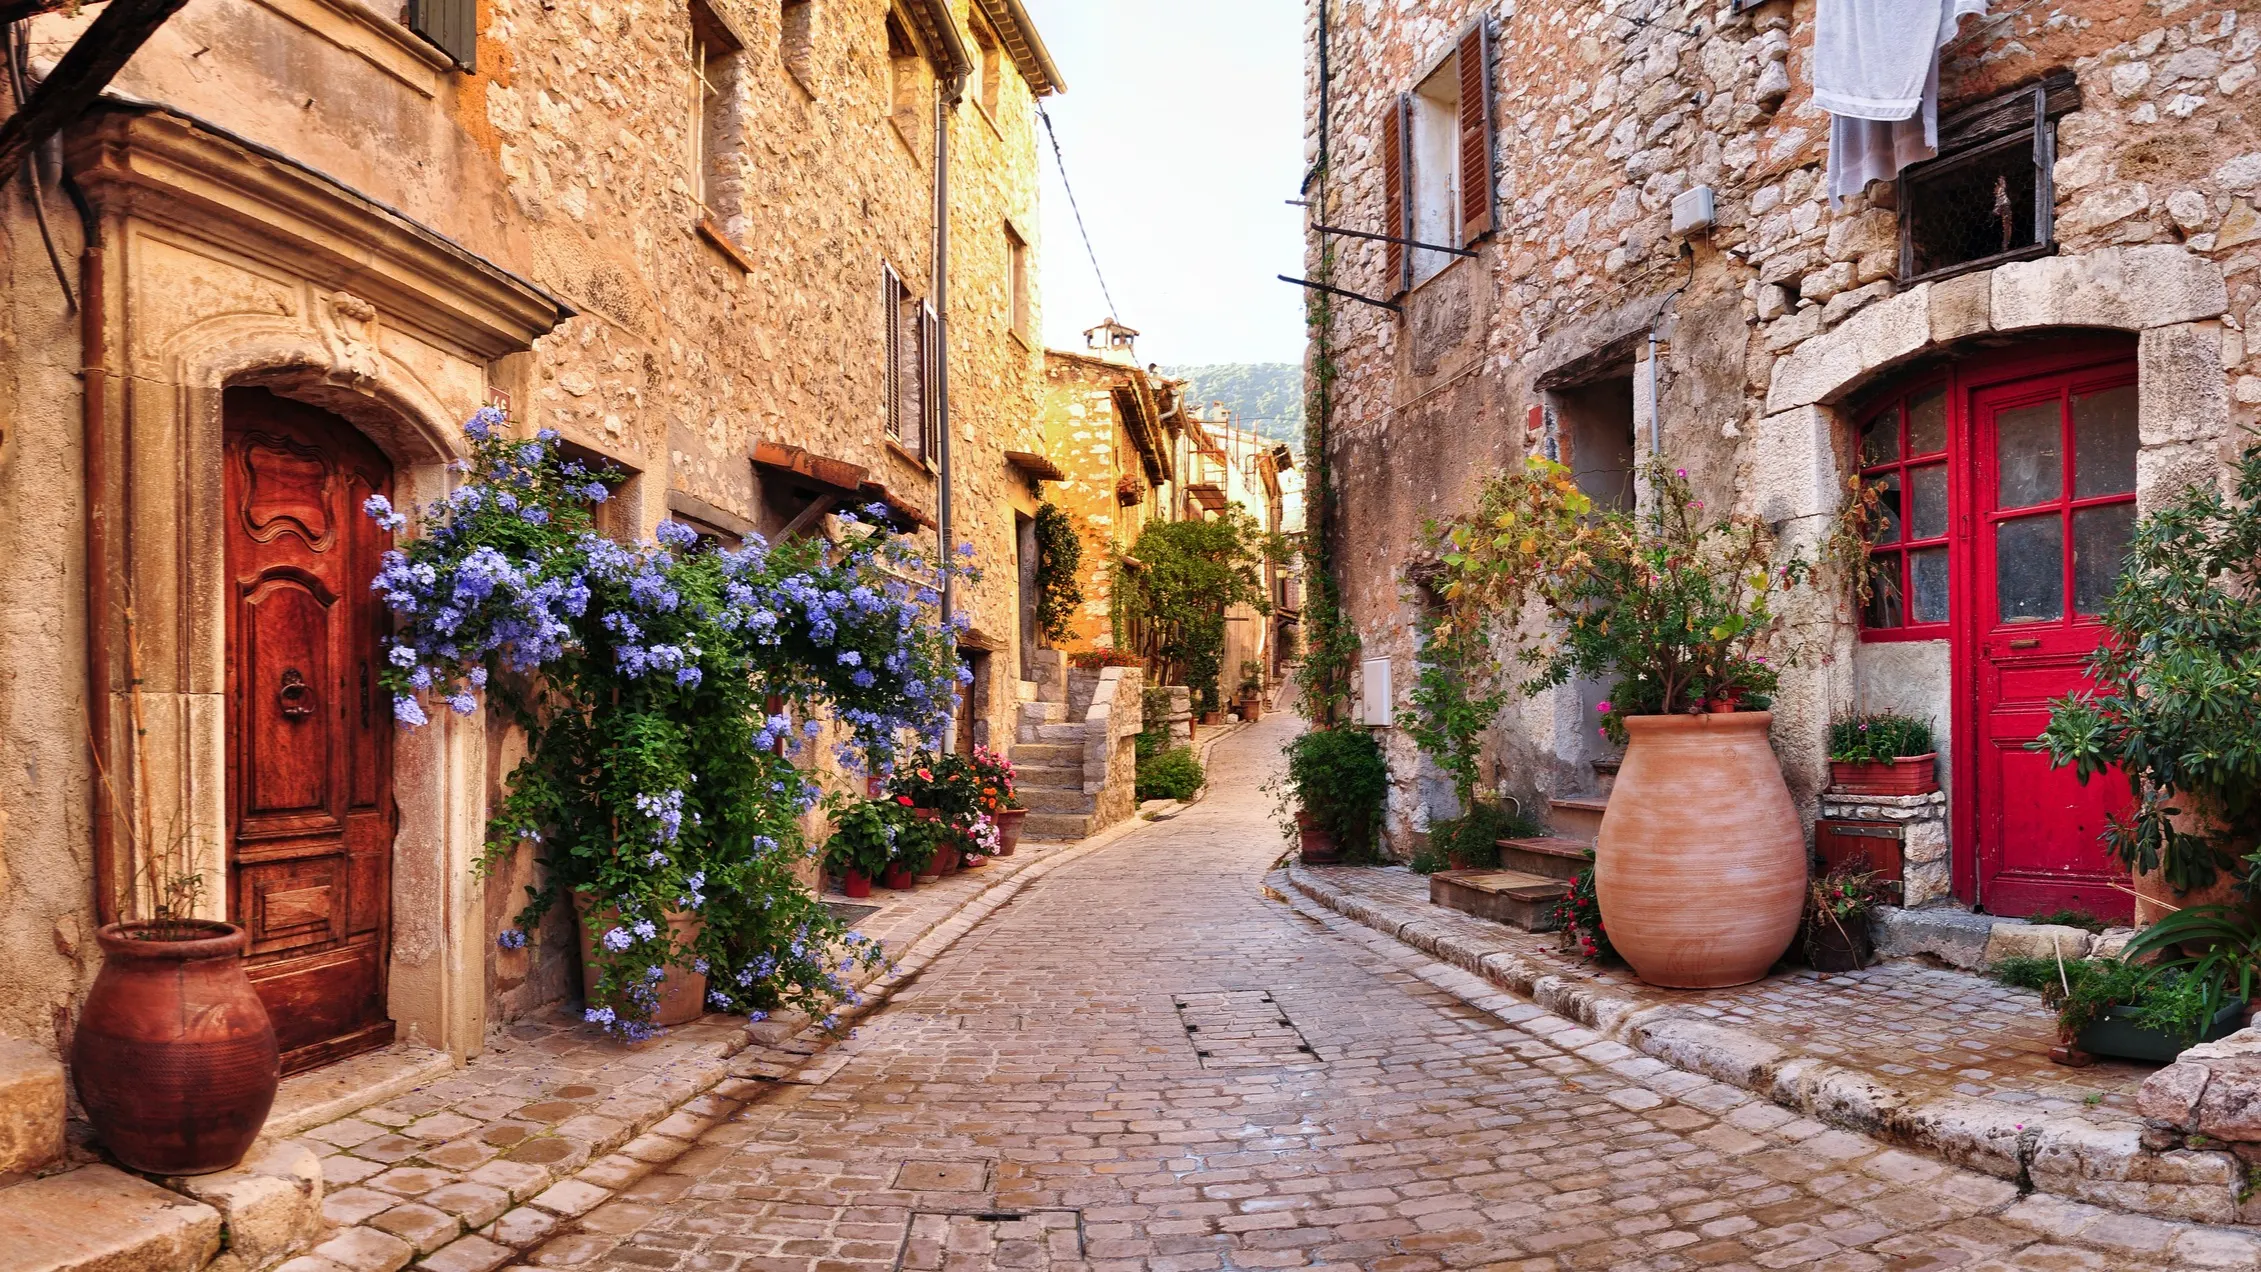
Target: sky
(1182, 130)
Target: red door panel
(2051, 499)
(310, 814)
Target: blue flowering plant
(667, 690)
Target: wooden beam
(108, 44)
(808, 516)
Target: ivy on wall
(1059, 555)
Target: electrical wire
(1060, 161)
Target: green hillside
(1264, 396)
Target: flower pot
(899, 877)
(174, 1056)
(682, 992)
(1213, 717)
(971, 861)
(1317, 846)
(2115, 1033)
(945, 860)
(1907, 775)
(1701, 863)
(1252, 708)
(1834, 947)
(2156, 898)
(1009, 829)
(855, 883)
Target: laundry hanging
(1876, 71)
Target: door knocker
(295, 696)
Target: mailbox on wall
(1880, 843)
(1375, 694)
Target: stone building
(700, 241)
(2029, 340)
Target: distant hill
(1264, 396)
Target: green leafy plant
(1447, 717)
(2171, 1000)
(1339, 778)
(2228, 941)
(863, 836)
(1251, 677)
(1094, 659)
(2178, 689)
(1471, 840)
(1172, 604)
(1841, 901)
(1059, 558)
(949, 785)
(1680, 608)
(1173, 774)
(1878, 737)
(1579, 915)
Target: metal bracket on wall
(1390, 305)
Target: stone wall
(1087, 436)
(1768, 323)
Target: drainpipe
(94, 454)
(947, 92)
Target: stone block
(31, 1107)
(1924, 841)
(571, 1198)
(105, 1220)
(425, 1227)
(1795, 466)
(1961, 307)
(2036, 940)
(519, 1179)
(476, 1204)
(1948, 933)
(2126, 288)
(2228, 1103)
(467, 1254)
(2182, 395)
(271, 1203)
(1876, 337)
(522, 1228)
(367, 1250)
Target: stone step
(1055, 734)
(1027, 755)
(1546, 856)
(1578, 818)
(1026, 690)
(1066, 776)
(1056, 826)
(101, 1219)
(1056, 799)
(1033, 714)
(1605, 776)
(1513, 897)
(31, 1107)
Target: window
(1437, 175)
(988, 67)
(617, 514)
(1988, 197)
(904, 78)
(796, 37)
(1016, 282)
(451, 26)
(1904, 457)
(912, 421)
(716, 179)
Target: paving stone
(476, 1204)
(573, 1197)
(523, 1228)
(516, 1178)
(468, 1254)
(367, 1250)
(349, 1206)
(419, 1225)
(410, 1181)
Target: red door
(2050, 504)
(310, 805)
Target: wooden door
(310, 801)
(2051, 504)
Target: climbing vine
(1330, 641)
(1447, 719)
(1059, 556)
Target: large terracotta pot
(1701, 863)
(1009, 829)
(2156, 898)
(682, 992)
(175, 1056)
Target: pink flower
(1679, 472)
(1602, 707)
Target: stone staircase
(1534, 874)
(1063, 752)
(61, 1210)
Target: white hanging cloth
(1878, 77)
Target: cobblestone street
(1144, 1062)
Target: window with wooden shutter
(929, 365)
(1476, 179)
(1395, 211)
(452, 26)
(891, 301)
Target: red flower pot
(1009, 829)
(1318, 846)
(899, 877)
(175, 1056)
(855, 883)
(1907, 775)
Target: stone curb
(2101, 1164)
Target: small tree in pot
(1330, 799)
(1700, 866)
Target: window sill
(721, 242)
(1896, 635)
(903, 135)
(909, 456)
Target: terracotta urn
(1316, 844)
(1009, 829)
(682, 991)
(175, 1056)
(1700, 866)
(2155, 898)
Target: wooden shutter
(1476, 141)
(1396, 214)
(452, 26)
(930, 402)
(891, 326)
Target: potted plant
(1701, 859)
(911, 846)
(1251, 689)
(1330, 798)
(1882, 753)
(999, 800)
(2118, 1007)
(2173, 707)
(663, 687)
(1838, 906)
(862, 843)
(947, 790)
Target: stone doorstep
(101, 1219)
(31, 1108)
(2103, 1164)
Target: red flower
(904, 800)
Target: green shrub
(1171, 775)
(1338, 776)
(1880, 737)
(2168, 999)
(1472, 839)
